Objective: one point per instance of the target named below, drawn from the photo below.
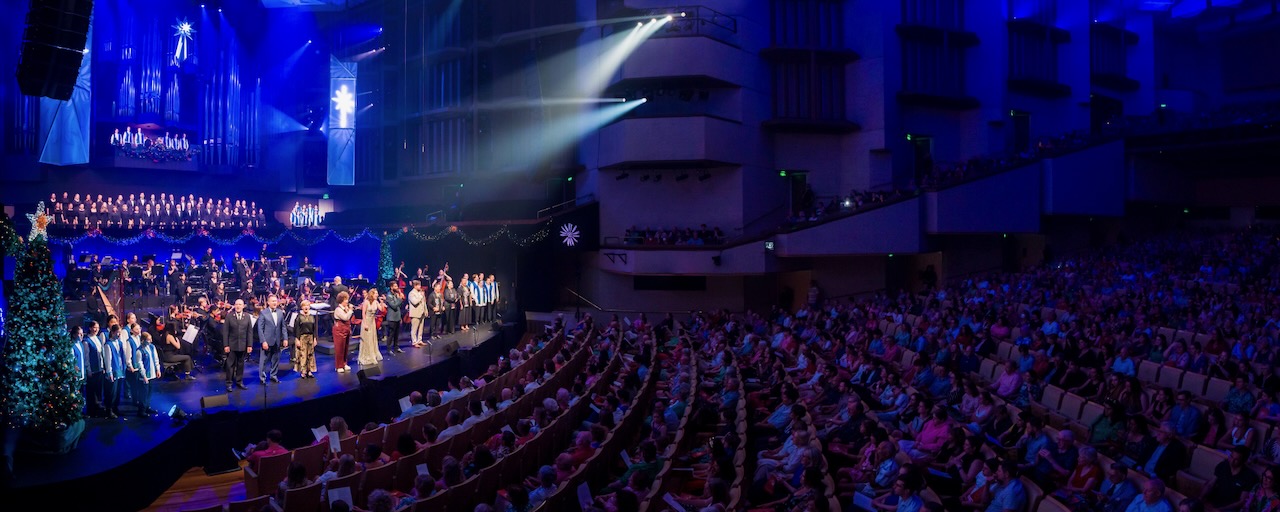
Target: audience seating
(304, 499)
(271, 471)
(250, 505)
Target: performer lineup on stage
(228, 312)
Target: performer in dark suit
(272, 333)
(237, 334)
(336, 288)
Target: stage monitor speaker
(369, 375)
(214, 401)
(450, 348)
(216, 405)
(54, 43)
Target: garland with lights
(305, 237)
(38, 388)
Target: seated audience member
(424, 486)
(297, 479)
(271, 446)
(1231, 480)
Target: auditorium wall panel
(670, 203)
(617, 291)
(1088, 182)
(1006, 202)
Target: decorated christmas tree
(386, 269)
(38, 390)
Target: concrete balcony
(747, 259)
(893, 228)
(672, 141)
(716, 62)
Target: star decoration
(39, 222)
(184, 29)
(345, 104)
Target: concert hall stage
(106, 471)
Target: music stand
(362, 283)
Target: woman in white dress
(369, 353)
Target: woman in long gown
(342, 314)
(465, 301)
(369, 353)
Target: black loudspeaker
(368, 375)
(216, 405)
(53, 46)
(450, 348)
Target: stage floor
(109, 443)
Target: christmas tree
(38, 390)
(386, 269)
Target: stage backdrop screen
(341, 128)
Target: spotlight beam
(558, 135)
(598, 76)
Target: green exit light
(460, 185)
(571, 178)
(1004, 235)
(908, 136)
(782, 173)
(890, 255)
(326, 196)
(1186, 210)
(1163, 105)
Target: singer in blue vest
(77, 356)
(147, 361)
(113, 362)
(133, 379)
(93, 370)
(272, 333)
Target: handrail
(584, 299)
(556, 206)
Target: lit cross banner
(182, 30)
(341, 128)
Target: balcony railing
(689, 20)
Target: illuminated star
(184, 29)
(39, 222)
(345, 103)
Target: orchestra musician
(337, 288)
(400, 275)
(173, 348)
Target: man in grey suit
(417, 310)
(272, 333)
(237, 337)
